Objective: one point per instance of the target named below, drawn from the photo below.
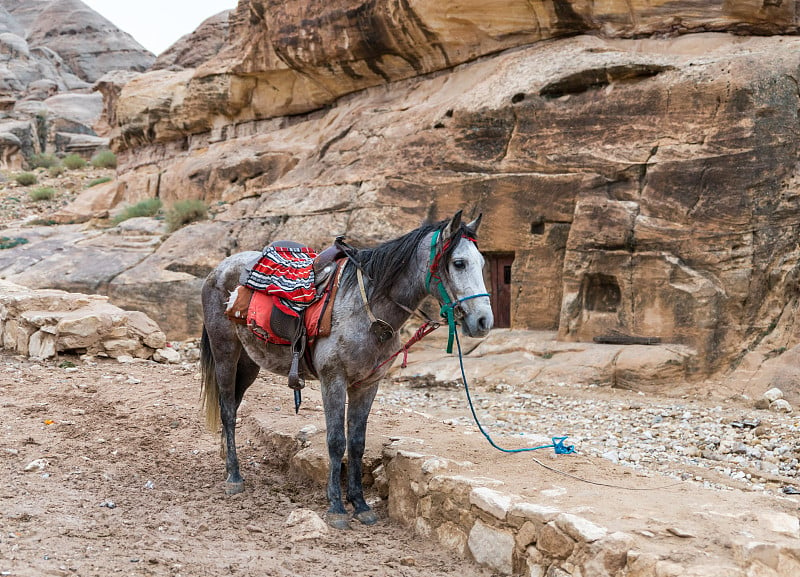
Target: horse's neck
(406, 294)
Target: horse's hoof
(234, 487)
(338, 520)
(368, 517)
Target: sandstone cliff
(636, 162)
(51, 53)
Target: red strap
(427, 328)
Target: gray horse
(440, 259)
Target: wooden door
(498, 267)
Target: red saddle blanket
(259, 314)
(285, 272)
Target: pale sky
(157, 24)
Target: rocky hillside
(636, 162)
(51, 54)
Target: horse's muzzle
(478, 325)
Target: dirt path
(132, 485)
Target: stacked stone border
(469, 516)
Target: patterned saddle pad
(286, 273)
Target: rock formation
(192, 50)
(43, 323)
(636, 163)
(51, 54)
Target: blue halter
(448, 304)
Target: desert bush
(42, 193)
(149, 207)
(74, 161)
(104, 159)
(184, 212)
(43, 161)
(45, 222)
(100, 180)
(11, 241)
(55, 171)
(26, 178)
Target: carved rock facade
(637, 170)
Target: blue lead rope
(448, 313)
(558, 444)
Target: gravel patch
(723, 445)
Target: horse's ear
(452, 226)
(473, 226)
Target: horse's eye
(459, 264)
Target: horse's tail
(209, 393)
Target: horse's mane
(387, 263)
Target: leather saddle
(290, 328)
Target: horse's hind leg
(236, 382)
(357, 414)
(334, 397)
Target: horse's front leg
(357, 414)
(334, 394)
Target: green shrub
(26, 178)
(74, 161)
(97, 181)
(104, 159)
(149, 207)
(45, 222)
(185, 211)
(11, 242)
(55, 171)
(43, 161)
(42, 193)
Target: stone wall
(476, 517)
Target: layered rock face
(636, 163)
(48, 49)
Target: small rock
(306, 432)
(36, 466)
(678, 532)
(305, 524)
(773, 394)
(167, 355)
(781, 406)
(109, 504)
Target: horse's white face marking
(465, 275)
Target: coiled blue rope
(558, 444)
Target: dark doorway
(498, 268)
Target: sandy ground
(132, 484)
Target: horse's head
(457, 276)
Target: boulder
(10, 152)
(43, 323)
(21, 139)
(94, 202)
